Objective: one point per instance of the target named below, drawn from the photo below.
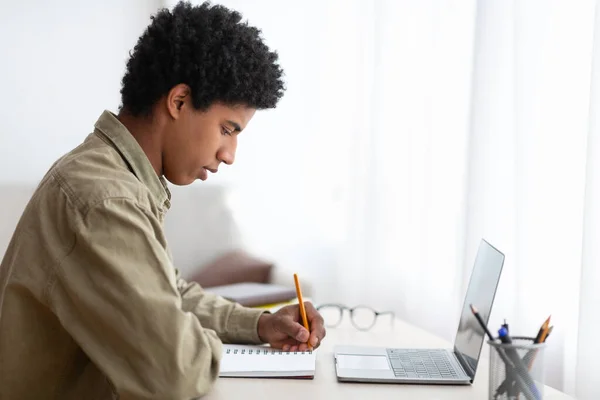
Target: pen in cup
(518, 363)
(525, 388)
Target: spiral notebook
(245, 361)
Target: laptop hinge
(465, 366)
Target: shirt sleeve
(232, 322)
(116, 294)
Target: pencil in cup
(520, 377)
(541, 337)
(508, 364)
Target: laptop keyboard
(414, 363)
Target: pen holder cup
(514, 365)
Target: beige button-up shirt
(91, 306)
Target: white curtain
(413, 128)
(529, 145)
(581, 379)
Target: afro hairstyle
(208, 48)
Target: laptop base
(387, 365)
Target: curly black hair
(206, 47)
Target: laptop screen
(481, 293)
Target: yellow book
(276, 305)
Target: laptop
(432, 366)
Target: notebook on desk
(246, 361)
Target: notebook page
(261, 361)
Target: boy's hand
(284, 329)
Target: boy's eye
(224, 131)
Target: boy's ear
(176, 99)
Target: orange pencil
(301, 304)
(541, 336)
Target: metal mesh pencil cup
(525, 367)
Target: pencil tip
(473, 309)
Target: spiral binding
(264, 352)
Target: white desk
(325, 385)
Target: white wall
(62, 63)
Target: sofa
(204, 237)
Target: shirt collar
(109, 126)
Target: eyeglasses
(362, 317)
